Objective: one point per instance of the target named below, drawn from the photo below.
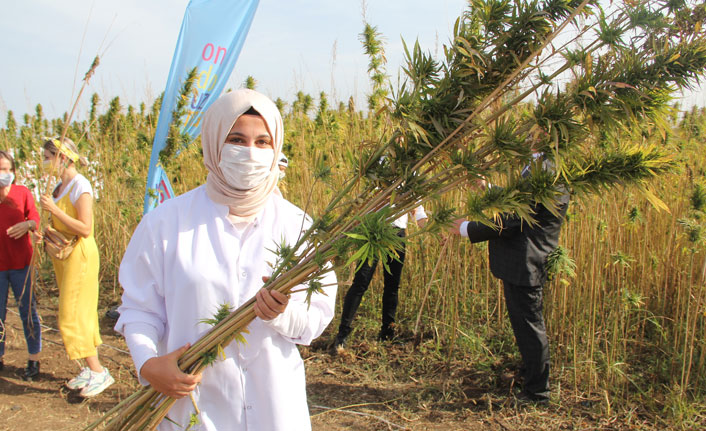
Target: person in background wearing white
(212, 246)
(282, 164)
(362, 279)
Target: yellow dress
(77, 278)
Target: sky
(299, 45)
(307, 45)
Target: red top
(17, 207)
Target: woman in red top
(18, 216)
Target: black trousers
(361, 281)
(524, 307)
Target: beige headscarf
(217, 122)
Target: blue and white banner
(211, 37)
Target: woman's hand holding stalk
(163, 373)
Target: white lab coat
(184, 260)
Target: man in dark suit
(518, 252)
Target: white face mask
(6, 179)
(246, 167)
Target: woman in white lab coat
(213, 246)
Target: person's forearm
(141, 340)
(478, 232)
(75, 226)
(292, 322)
(302, 322)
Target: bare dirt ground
(371, 386)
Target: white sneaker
(80, 381)
(97, 383)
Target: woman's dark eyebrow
(240, 134)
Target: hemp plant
(374, 48)
(176, 139)
(471, 116)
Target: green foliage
(698, 198)
(11, 124)
(303, 104)
(559, 262)
(92, 114)
(154, 112)
(111, 119)
(314, 287)
(442, 216)
(176, 139)
(695, 231)
(634, 215)
(209, 357)
(618, 166)
(632, 300)
(506, 140)
(554, 116)
(375, 238)
(193, 421)
(285, 254)
(323, 118)
(223, 311)
(374, 48)
(250, 83)
(622, 259)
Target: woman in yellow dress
(71, 209)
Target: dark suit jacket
(518, 251)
